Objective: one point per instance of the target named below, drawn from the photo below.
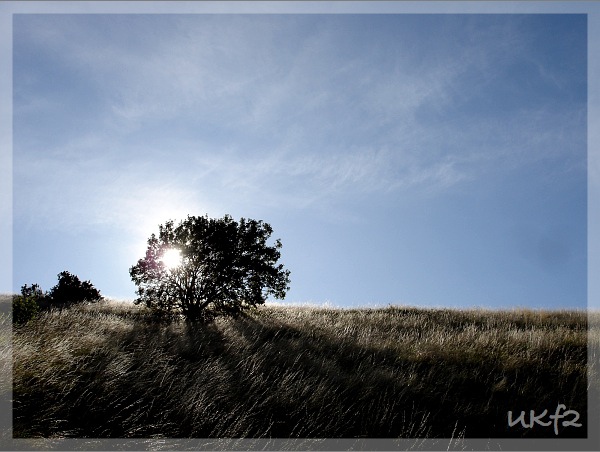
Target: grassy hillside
(109, 370)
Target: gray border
(591, 8)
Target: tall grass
(111, 370)
(5, 365)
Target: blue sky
(428, 160)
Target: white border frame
(591, 8)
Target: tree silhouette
(225, 267)
(71, 290)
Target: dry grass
(110, 370)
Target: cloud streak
(258, 109)
(433, 135)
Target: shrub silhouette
(24, 309)
(70, 290)
(35, 292)
(26, 306)
(225, 268)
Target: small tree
(222, 267)
(71, 290)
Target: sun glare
(171, 258)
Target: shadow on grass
(260, 377)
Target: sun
(171, 258)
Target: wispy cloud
(124, 121)
(260, 109)
(96, 198)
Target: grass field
(110, 370)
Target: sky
(424, 160)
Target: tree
(71, 290)
(224, 268)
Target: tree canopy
(224, 267)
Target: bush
(26, 306)
(34, 291)
(70, 290)
(24, 309)
(36, 294)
